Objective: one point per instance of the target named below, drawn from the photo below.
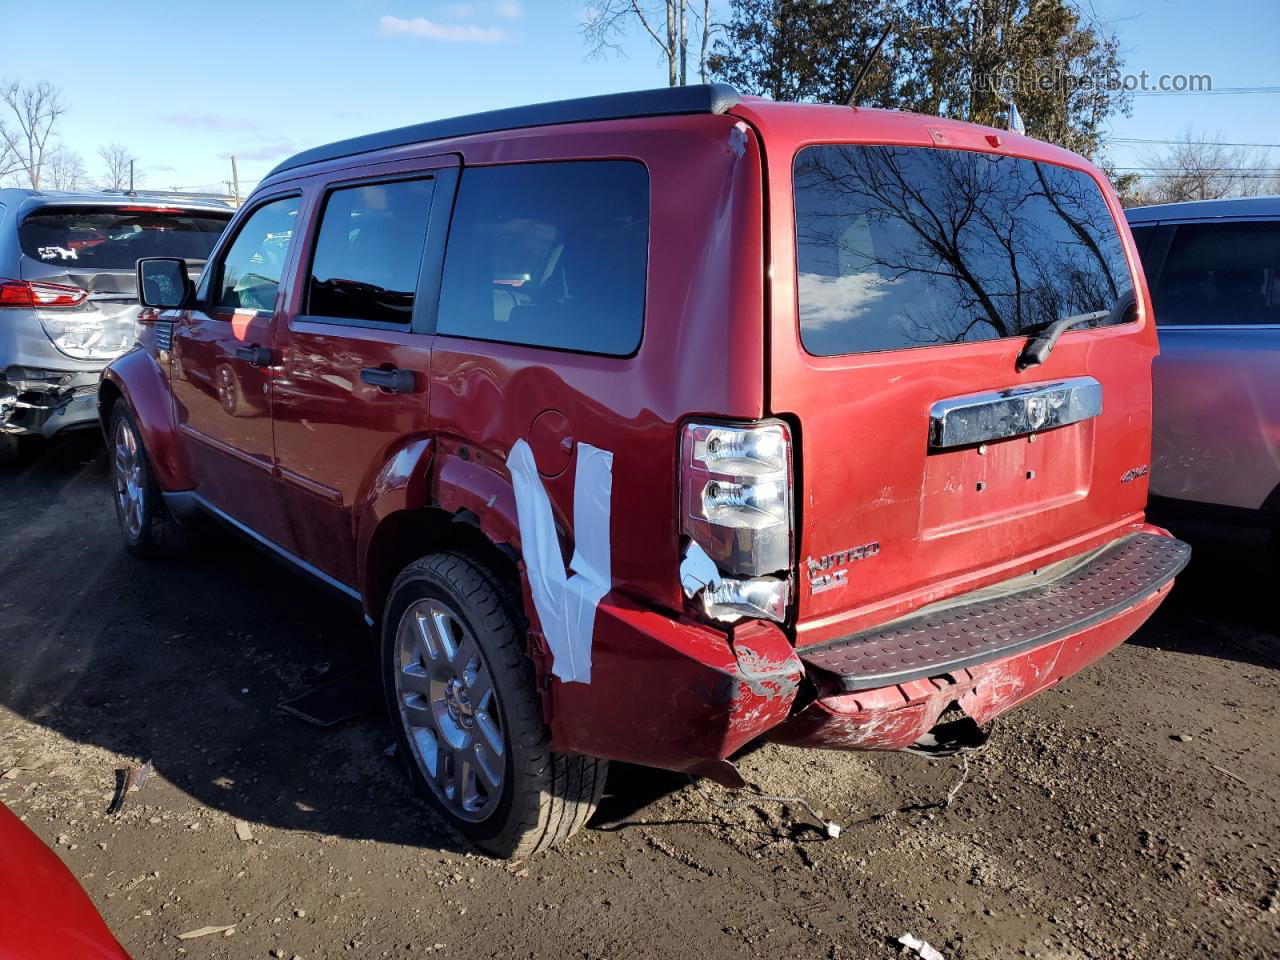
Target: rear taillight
(736, 506)
(17, 293)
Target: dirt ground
(1130, 813)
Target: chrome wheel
(126, 470)
(450, 710)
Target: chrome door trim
(997, 414)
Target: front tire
(144, 522)
(468, 719)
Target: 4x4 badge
(1134, 474)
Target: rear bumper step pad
(964, 633)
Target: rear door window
(917, 246)
(1141, 238)
(116, 238)
(249, 276)
(369, 251)
(1220, 274)
(550, 255)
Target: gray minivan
(68, 294)
(1213, 267)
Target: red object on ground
(44, 913)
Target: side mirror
(163, 283)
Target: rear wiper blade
(1041, 345)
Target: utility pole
(235, 180)
(131, 175)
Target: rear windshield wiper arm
(1039, 347)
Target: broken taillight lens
(736, 504)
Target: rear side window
(369, 251)
(915, 246)
(1141, 237)
(550, 255)
(249, 277)
(116, 238)
(1220, 273)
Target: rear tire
(468, 719)
(144, 522)
(10, 449)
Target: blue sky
(185, 85)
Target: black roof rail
(713, 98)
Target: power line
(1209, 171)
(1221, 91)
(1195, 143)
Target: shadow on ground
(184, 662)
(1225, 604)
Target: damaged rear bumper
(686, 696)
(45, 402)
(984, 654)
(674, 694)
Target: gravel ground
(1129, 813)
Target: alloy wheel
(450, 709)
(126, 470)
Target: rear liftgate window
(115, 238)
(550, 255)
(916, 246)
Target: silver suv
(1213, 267)
(68, 294)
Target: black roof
(1206, 209)
(713, 98)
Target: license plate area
(998, 481)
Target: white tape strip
(566, 604)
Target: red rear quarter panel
(701, 350)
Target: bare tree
(25, 147)
(1198, 167)
(64, 170)
(667, 22)
(117, 166)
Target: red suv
(643, 426)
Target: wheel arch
(136, 380)
(426, 501)
(407, 535)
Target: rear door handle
(257, 356)
(394, 381)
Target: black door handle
(257, 356)
(395, 381)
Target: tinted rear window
(549, 254)
(914, 246)
(115, 238)
(1220, 273)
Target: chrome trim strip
(310, 486)
(997, 414)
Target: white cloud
(451, 32)
(509, 9)
(830, 301)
